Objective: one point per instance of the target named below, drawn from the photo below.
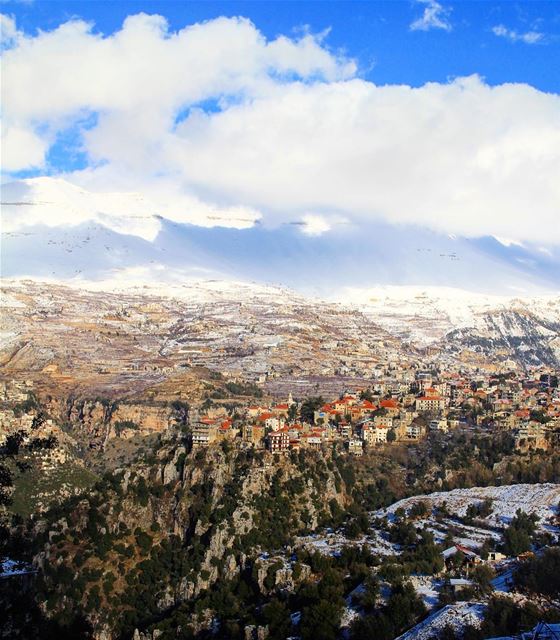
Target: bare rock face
(275, 573)
(93, 423)
(90, 415)
(284, 578)
(186, 589)
(103, 634)
(203, 621)
(154, 635)
(147, 417)
(220, 542)
(255, 632)
(166, 599)
(230, 568)
(172, 470)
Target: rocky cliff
(144, 542)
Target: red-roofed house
(281, 409)
(430, 403)
(391, 406)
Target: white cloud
(295, 134)
(529, 37)
(8, 31)
(435, 16)
(315, 225)
(461, 158)
(22, 148)
(140, 78)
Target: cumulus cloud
(283, 130)
(22, 148)
(529, 37)
(140, 78)
(462, 157)
(8, 31)
(435, 16)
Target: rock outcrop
(221, 508)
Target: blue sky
(377, 34)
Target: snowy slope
(429, 289)
(540, 499)
(426, 314)
(457, 616)
(498, 327)
(56, 203)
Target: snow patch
(456, 616)
(540, 499)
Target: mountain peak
(55, 202)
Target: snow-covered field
(540, 499)
(457, 616)
(427, 588)
(466, 535)
(332, 543)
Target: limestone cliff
(148, 539)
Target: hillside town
(300, 440)
(402, 407)
(462, 552)
(402, 410)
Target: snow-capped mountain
(58, 204)
(462, 295)
(525, 330)
(52, 228)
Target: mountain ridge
(70, 231)
(510, 332)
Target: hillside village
(460, 552)
(404, 406)
(401, 411)
(143, 339)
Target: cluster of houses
(355, 420)
(14, 391)
(374, 416)
(402, 406)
